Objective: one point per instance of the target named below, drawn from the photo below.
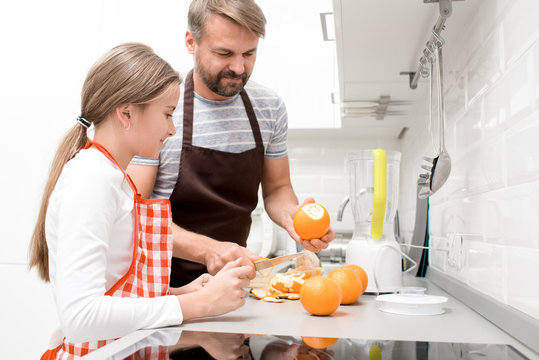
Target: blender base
(381, 260)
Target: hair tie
(83, 122)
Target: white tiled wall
(492, 195)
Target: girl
(106, 250)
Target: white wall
(492, 195)
(47, 49)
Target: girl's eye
(169, 115)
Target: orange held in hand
(349, 282)
(320, 295)
(311, 221)
(362, 274)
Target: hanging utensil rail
(422, 70)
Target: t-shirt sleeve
(277, 145)
(86, 212)
(137, 160)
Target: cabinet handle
(323, 21)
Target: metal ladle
(439, 167)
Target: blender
(374, 186)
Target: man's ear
(123, 113)
(190, 42)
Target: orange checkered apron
(149, 272)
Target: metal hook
(440, 40)
(432, 47)
(424, 71)
(431, 56)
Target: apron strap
(252, 119)
(51, 353)
(105, 152)
(188, 108)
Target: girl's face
(155, 123)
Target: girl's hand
(193, 286)
(227, 287)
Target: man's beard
(213, 82)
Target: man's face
(224, 56)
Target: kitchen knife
(267, 263)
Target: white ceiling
(376, 41)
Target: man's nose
(237, 65)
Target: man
(230, 138)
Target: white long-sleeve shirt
(89, 230)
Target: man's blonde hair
(245, 13)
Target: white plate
(410, 304)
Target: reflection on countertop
(359, 327)
(218, 345)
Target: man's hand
(314, 245)
(224, 252)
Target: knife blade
(264, 264)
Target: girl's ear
(123, 113)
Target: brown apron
(216, 191)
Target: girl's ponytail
(72, 143)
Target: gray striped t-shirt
(224, 126)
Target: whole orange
(318, 342)
(311, 221)
(320, 295)
(362, 274)
(349, 282)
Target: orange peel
(260, 293)
(272, 299)
(288, 286)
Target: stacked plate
(411, 301)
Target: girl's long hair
(130, 73)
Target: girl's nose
(171, 128)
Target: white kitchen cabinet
(295, 61)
